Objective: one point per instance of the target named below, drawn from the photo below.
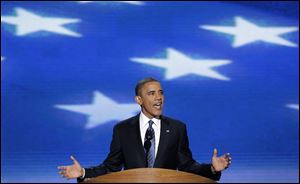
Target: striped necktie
(149, 145)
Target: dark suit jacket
(127, 151)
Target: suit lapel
(137, 140)
(163, 142)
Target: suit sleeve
(113, 162)
(187, 163)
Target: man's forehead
(152, 86)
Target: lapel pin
(168, 131)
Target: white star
(27, 22)
(178, 65)
(246, 32)
(2, 58)
(102, 110)
(293, 106)
(128, 2)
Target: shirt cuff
(212, 169)
(82, 177)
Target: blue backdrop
(229, 71)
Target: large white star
(102, 110)
(178, 65)
(293, 106)
(128, 2)
(246, 32)
(27, 22)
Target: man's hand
(71, 171)
(220, 163)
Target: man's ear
(138, 100)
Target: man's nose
(158, 96)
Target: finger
(215, 153)
(227, 155)
(228, 164)
(228, 158)
(61, 167)
(63, 175)
(67, 176)
(65, 168)
(73, 159)
(62, 172)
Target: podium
(150, 175)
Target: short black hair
(141, 83)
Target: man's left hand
(220, 163)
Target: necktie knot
(150, 131)
(150, 123)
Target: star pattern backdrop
(229, 71)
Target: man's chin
(153, 113)
(157, 114)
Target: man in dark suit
(149, 140)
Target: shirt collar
(144, 120)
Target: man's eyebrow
(150, 91)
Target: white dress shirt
(143, 128)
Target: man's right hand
(71, 171)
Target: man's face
(151, 99)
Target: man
(149, 140)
